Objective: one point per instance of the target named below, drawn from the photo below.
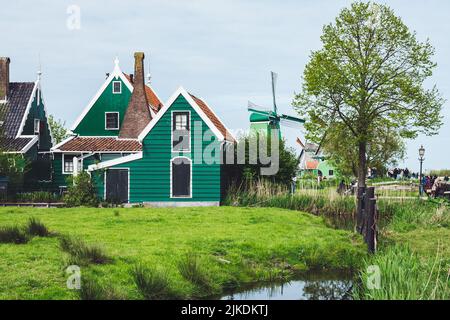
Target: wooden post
(369, 226)
(360, 208)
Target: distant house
(139, 150)
(312, 160)
(24, 126)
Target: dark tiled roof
(99, 144)
(215, 120)
(14, 144)
(14, 109)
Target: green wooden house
(24, 127)
(139, 150)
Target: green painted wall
(150, 176)
(37, 112)
(93, 124)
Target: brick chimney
(138, 114)
(4, 78)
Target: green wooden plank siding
(93, 124)
(37, 112)
(150, 176)
(58, 178)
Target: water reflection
(305, 289)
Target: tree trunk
(362, 165)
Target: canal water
(314, 286)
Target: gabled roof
(152, 98)
(116, 74)
(98, 144)
(15, 109)
(213, 117)
(204, 111)
(14, 113)
(17, 145)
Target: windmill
(266, 120)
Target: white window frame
(63, 163)
(172, 130)
(38, 122)
(113, 87)
(171, 181)
(118, 120)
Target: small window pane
(37, 125)
(112, 121)
(117, 87)
(181, 134)
(68, 164)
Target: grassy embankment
(163, 253)
(414, 249)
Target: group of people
(399, 173)
(434, 185)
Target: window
(181, 177)
(111, 120)
(330, 172)
(180, 131)
(67, 164)
(37, 125)
(117, 87)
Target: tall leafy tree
(369, 74)
(58, 129)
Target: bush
(37, 228)
(81, 192)
(192, 270)
(82, 253)
(13, 235)
(152, 283)
(37, 196)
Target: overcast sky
(222, 51)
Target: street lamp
(421, 159)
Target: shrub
(152, 283)
(82, 253)
(192, 270)
(81, 192)
(13, 235)
(36, 228)
(37, 196)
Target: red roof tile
(215, 120)
(98, 144)
(312, 165)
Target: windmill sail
(274, 83)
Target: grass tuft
(13, 234)
(192, 269)
(92, 290)
(82, 253)
(36, 228)
(152, 283)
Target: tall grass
(400, 215)
(153, 283)
(37, 228)
(93, 290)
(192, 269)
(82, 253)
(404, 276)
(13, 234)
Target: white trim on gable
(114, 162)
(27, 110)
(212, 110)
(117, 73)
(181, 91)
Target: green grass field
(232, 246)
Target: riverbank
(130, 253)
